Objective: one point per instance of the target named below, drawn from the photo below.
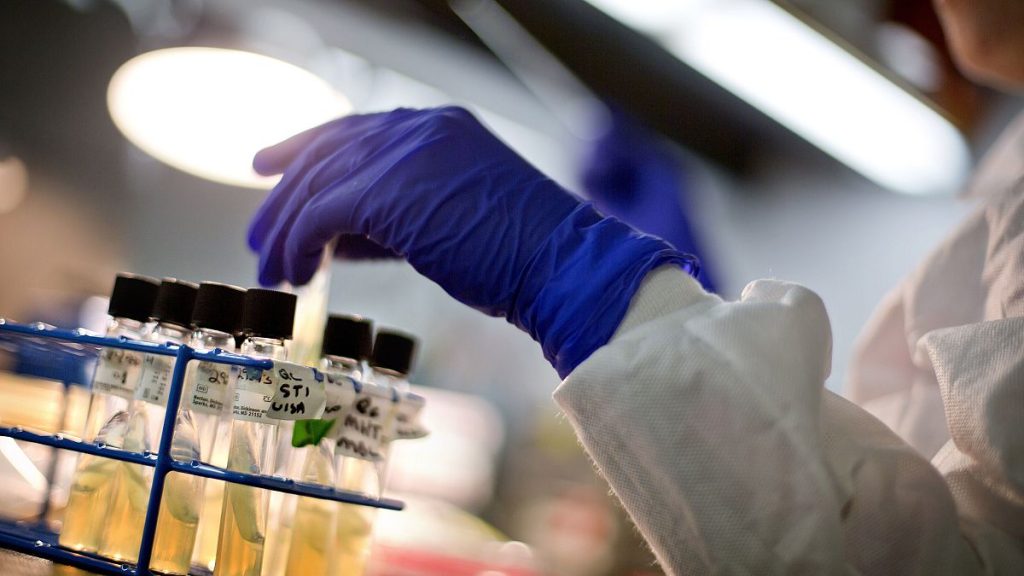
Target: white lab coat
(710, 421)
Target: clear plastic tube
(311, 534)
(304, 348)
(353, 530)
(400, 383)
(204, 553)
(76, 413)
(185, 505)
(122, 534)
(117, 374)
(311, 312)
(252, 449)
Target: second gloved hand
(435, 187)
(632, 175)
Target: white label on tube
(254, 392)
(298, 393)
(210, 387)
(117, 372)
(156, 379)
(407, 417)
(340, 392)
(362, 426)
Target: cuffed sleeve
(711, 424)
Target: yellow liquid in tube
(92, 486)
(129, 498)
(93, 482)
(205, 553)
(178, 520)
(311, 537)
(310, 531)
(122, 529)
(130, 495)
(243, 522)
(240, 550)
(89, 498)
(180, 505)
(253, 446)
(354, 524)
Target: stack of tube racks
(61, 358)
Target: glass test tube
(346, 346)
(122, 526)
(267, 319)
(191, 504)
(113, 387)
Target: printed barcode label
(210, 384)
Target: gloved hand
(632, 176)
(435, 187)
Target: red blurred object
(389, 561)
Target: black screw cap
(348, 337)
(133, 296)
(393, 350)
(219, 307)
(268, 313)
(174, 302)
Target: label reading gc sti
(298, 392)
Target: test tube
(267, 321)
(122, 526)
(113, 387)
(364, 471)
(188, 502)
(347, 344)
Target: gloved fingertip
(254, 237)
(266, 163)
(302, 269)
(269, 274)
(268, 279)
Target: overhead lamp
(811, 84)
(207, 111)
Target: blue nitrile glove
(435, 187)
(631, 175)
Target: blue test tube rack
(37, 540)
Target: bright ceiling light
(808, 83)
(207, 111)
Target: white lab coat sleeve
(711, 424)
